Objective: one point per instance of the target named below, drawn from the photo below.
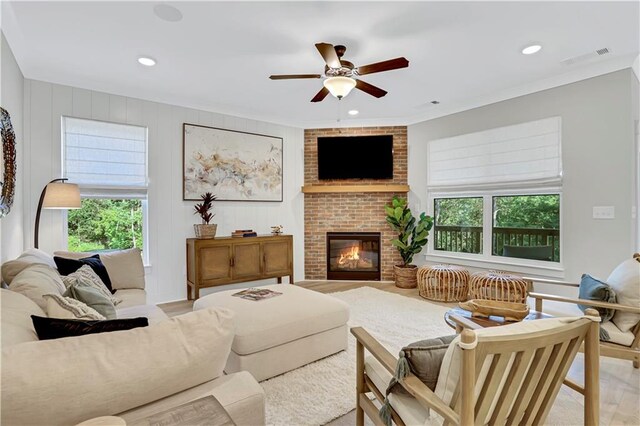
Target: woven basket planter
(205, 231)
(406, 277)
(444, 283)
(499, 285)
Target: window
(496, 194)
(109, 162)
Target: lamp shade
(339, 86)
(61, 196)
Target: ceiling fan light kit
(339, 86)
(341, 73)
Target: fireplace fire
(353, 256)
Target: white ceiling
(218, 57)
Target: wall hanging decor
(8, 163)
(236, 166)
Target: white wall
(170, 219)
(11, 97)
(598, 157)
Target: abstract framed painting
(233, 165)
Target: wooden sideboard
(227, 260)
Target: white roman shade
(522, 154)
(105, 159)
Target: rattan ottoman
(444, 283)
(499, 285)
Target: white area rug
(324, 390)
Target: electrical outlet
(604, 212)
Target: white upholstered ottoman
(280, 334)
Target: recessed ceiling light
(435, 102)
(530, 50)
(353, 112)
(146, 61)
(166, 12)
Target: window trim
(486, 258)
(114, 192)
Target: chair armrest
(374, 347)
(616, 306)
(465, 322)
(554, 282)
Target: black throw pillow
(69, 266)
(56, 328)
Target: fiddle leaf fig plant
(413, 234)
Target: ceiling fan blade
(370, 89)
(292, 76)
(391, 64)
(320, 95)
(329, 54)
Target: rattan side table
(444, 283)
(499, 285)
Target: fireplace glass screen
(353, 256)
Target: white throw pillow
(37, 280)
(88, 276)
(67, 308)
(625, 281)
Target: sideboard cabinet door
(277, 257)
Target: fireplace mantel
(328, 189)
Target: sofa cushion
(594, 289)
(625, 280)
(300, 313)
(109, 373)
(69, 266)
(37, 280)
(152, 312)
(16, 326)
(57, 328)
(66, 307)
(88, 276)
(93, 297)
(125, 267)
(131, 297)
(12, 268)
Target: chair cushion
(624, 338)
(16, 318)
(125, 267)
(594, 289)
(13, 267)
(37, 280)
(625, 281)
(108, 373)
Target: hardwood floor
(619, 381)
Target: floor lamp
(56, 195)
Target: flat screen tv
(355, 157)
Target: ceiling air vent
(586, 57)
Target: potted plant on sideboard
(412, 237)
(205, 229)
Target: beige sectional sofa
(130, 374)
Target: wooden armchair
(532, 366)
(609, 349)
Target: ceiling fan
(341, 73)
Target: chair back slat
(561, 373)
(490, 387)
(521, 364)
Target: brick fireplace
(352, 212)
